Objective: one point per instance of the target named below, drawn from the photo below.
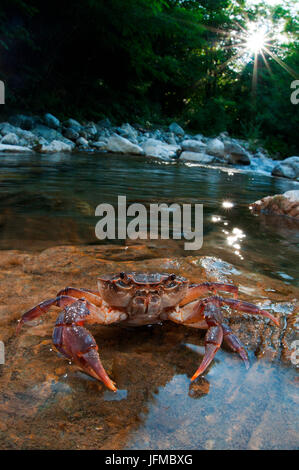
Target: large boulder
(14, 148)
(119, 144)
(192, 145)
(176, 129)
(158, 149)
(56, 146)
(196, 157)
(51, 121)
(288, 168)
(215, 147)
(281, 204)
(235, 153)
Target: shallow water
(46, 403)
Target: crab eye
(122, 275)
(121, 284)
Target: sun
(256, 41)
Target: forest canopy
(156, 61)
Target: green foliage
(140, 60)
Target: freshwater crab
(134, 299)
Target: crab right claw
(76, 343)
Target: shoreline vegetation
(47, 134)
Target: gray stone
(55, 146)
(193, 145)
(72, 123)
(71, 133)
(81, 142)
(119, 144)
(215, 147)
(158, 149)
(176, 129)
(14, 149)
(235, 153)
(288, 168)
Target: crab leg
(76, 342)
(89, 295)
(235, 344)
(247, 307)
(43, 307)
(194, 292)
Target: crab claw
(213, 340)
(75, 342)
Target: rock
(176, 129)
(196, 157)
(193, 145)
(119, 144)
(235, 153)
(55, 146)
(72, 123)
(100, 145)
(286, 204)
(51, 121)
(216, 148)
(71, 133)
(14, 148)
(126, 130)
(158, 149)
(288, 168)
(10, 139)
(24, 122)
(81, 142)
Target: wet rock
(196, 157)
(10, 139)
(119, 144)
(51, 121)
(286, 204)
(158, 149)
(288, 168)
(176, 129)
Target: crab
(135, 299)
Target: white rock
(176, 129)
(288, 168)
(10, 139)
(14, 149)
(292, 195)
(51, 121)
(196, 157)
(119, 144)
(158, 149)
(215, 147)
(7, 128)
(193, 145)
(56, 146)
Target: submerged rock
(288, 168)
